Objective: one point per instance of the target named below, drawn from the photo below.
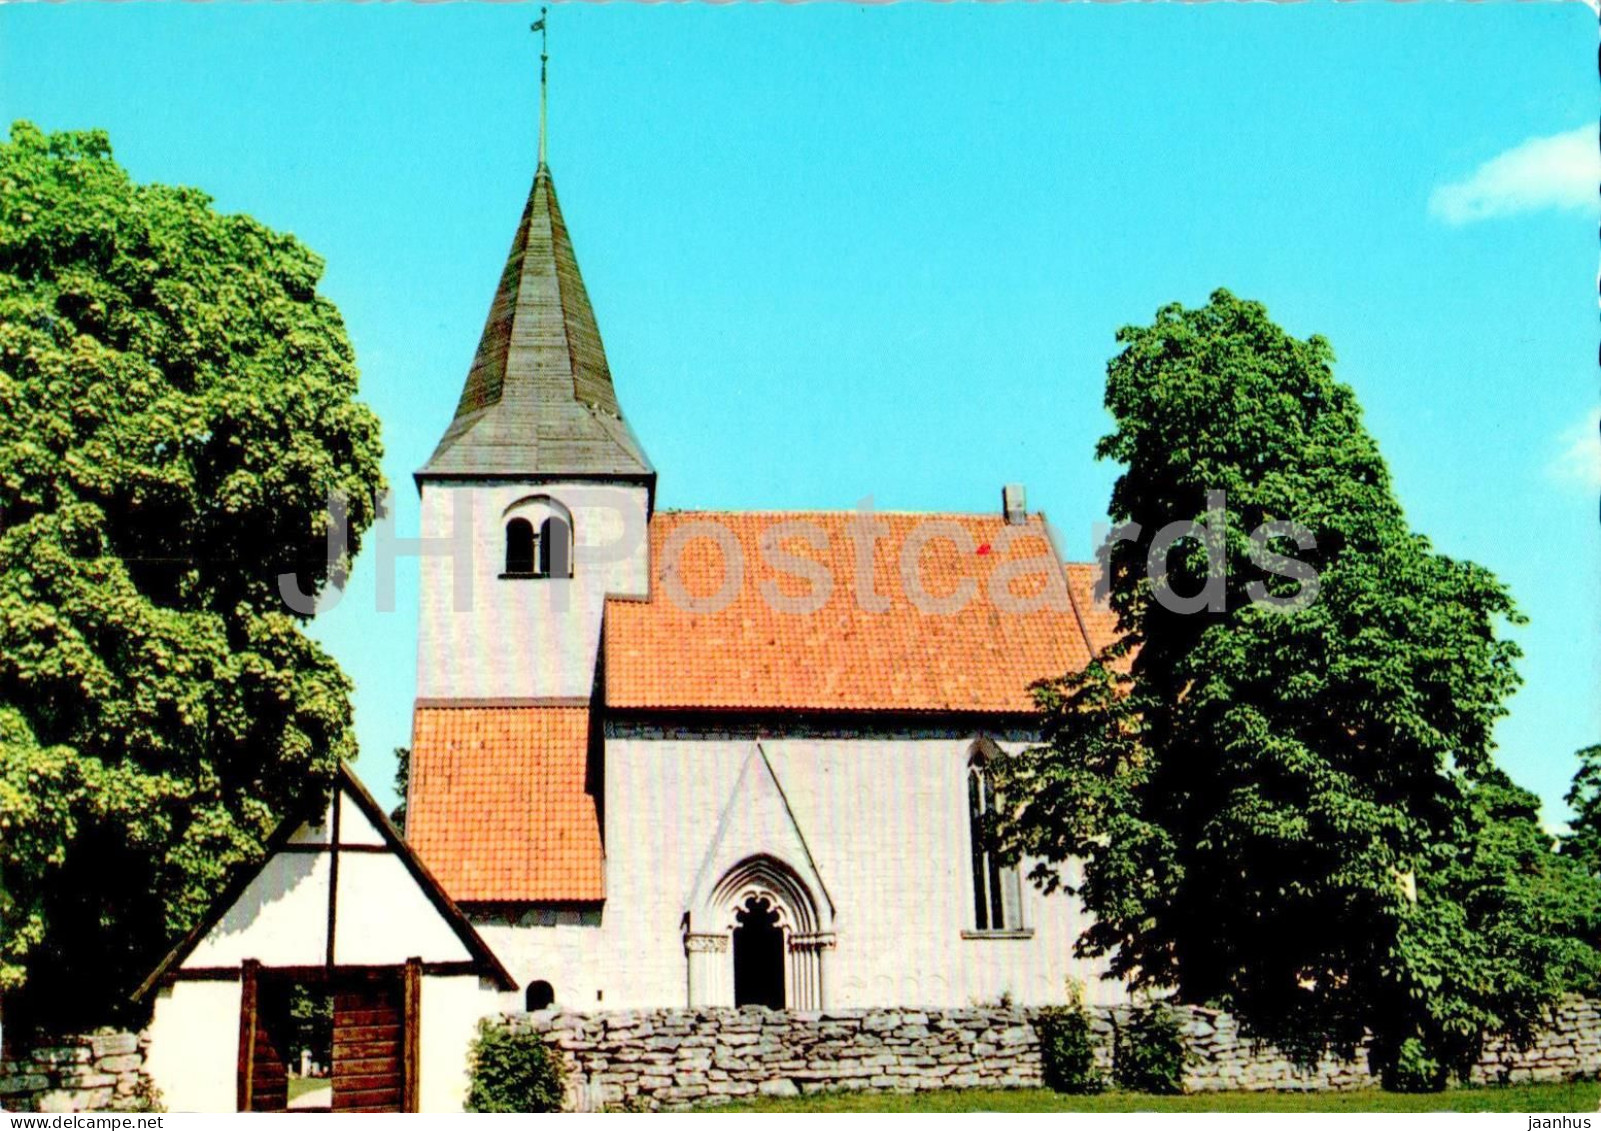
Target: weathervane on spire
(544, 60)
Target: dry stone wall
(102, 1071)
(689, 1057)
(675, 1058)
(1569, 1048)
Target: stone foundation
(675, 1058)
(102, 1071)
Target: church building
(668, 758)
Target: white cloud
(1561, 171)
(1579, 462)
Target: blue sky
(841, 251)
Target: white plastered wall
(887, 825)
(450, 1010)
(523, 638)
(280, 920)
(576, 959)
(194, 1046)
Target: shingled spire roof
(539, 399)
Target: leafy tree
(402, 786)
(1292, 811)
(310, 1024)
(176, 404)
(1583, 842)
(1502, 924)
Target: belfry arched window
(520, 548)
(997, 891)
(539, 539)
(555, 547)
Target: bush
(1067, 1049)
(514, 1072)
(1149, 1053)
(1413, 1069)
(146, 1097)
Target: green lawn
(1564, 1098)
(300, 1085)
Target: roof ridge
(551, 213)
(573, 294)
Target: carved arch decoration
(807, 925)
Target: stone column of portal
(806, 969)
(709, 976)
(795, 970)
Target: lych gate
(304, 987)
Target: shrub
(1149, 1054)
(1413, 1069)
(1067, 1047)
(146, 1097)
(514, 1072)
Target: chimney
(1014, 504)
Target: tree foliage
(402, 786)
(1293, 813)
(176, 404)
(1583, 842)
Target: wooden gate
(369, 1068)
(263, 1054)
(375, 1036)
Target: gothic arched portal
(758, 955)
(758, 939)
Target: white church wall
(576, 959)
(887, 825)
(892, 824)
(194, 1046)
(476, 653)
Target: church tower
(535, 504)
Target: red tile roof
(498, 808)
(1100, 622)
(750, 655)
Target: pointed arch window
(997, 890)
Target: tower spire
(544, 66)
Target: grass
(1571, 1097)
(300, 1085)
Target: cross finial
(544, 61)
